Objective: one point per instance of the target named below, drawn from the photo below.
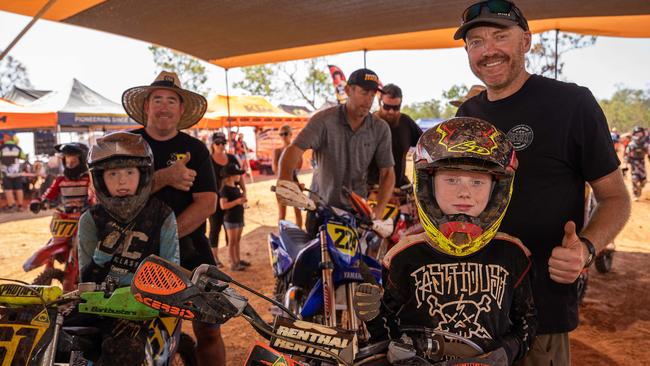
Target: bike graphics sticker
(521, 136)
(457, 294)
(313, 337)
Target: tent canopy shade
(16, 117)
(233, 34)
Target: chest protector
(130, 244)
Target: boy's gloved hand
(35, 206)
(367, 300)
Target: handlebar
(206, 295)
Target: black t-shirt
(404, 135)
(562, 141)
(485, 296)
(234, 214)
(165, 153)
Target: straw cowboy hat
(473, 91)
(194, 105)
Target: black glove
(367, 300)
(35, 206)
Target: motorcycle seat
(295, 239)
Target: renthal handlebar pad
(166, 286)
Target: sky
(54, 53)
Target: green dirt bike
(32, 330)
(205, 295)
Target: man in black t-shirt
(184, 178)
(403, 130)
(562, 141)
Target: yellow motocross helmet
(469, 144)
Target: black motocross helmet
(74, 148)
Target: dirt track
(615, 317)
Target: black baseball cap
(365, 78)
(231, 169)
(219, 137)
(501, 13)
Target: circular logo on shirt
(521, 136)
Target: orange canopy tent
(253, 111)
(16, 117)
(241, 33)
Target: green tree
(306, 80)
(627, 108)
(191, 70)
(258, 80)
(542, 56)
(435, 108)
(429, 109)
(13, 72)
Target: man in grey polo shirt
(345, 139)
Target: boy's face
(71, 160)
(122, 182)
(462, 192)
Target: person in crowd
(220, 159)
(241, 152)
(286, 134)
(562, 141)
(127, 225)
(404, 133)
(635, 154)
(345, 139)
(184, 179)
(12, 158)
(73, 187)
(616, 138)
(483, 289)
(232, 200)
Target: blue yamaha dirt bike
(316, 278)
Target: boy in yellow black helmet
(459, 274)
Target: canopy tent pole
(20, 35)
(365, 51)
(557, 33)
(228, 104)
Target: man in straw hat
(562, 141)
(184, 178)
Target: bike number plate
(24, 332)
(344, 238)
(63, 228)
(390, 211)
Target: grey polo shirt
(342, 156)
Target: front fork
(329, 291)
(50, 352)
(327, 267)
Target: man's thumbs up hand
(180, 176)
(567, 260)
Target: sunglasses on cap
(500, 7)
(219, 142)
(388, 107)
